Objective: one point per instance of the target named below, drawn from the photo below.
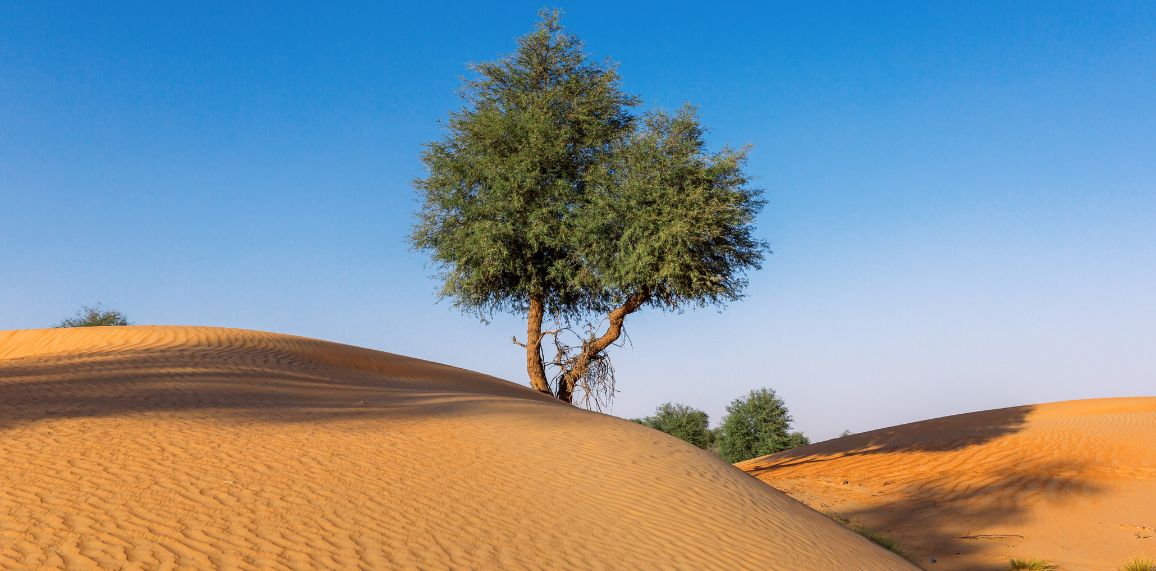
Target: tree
(681, 421)
(797, 440)
(756, 425)
(94, 316)
(549, 198)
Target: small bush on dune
(94, 316)
(681, 421)
(1140, 564)
(1032, 565)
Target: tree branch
(594, 347)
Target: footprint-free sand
(1072, 482)
(205, 448)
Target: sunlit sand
(201, 448)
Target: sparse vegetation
(1140, 564)
(1032, 565)
(871, 535)
(884, 542)
(681, 421)
(94, 316)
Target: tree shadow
(931, 486)
(240, 384)
(935, 435)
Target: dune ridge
(195, 448)
(1073, 482)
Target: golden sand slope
(1073, 482)
(200, 448)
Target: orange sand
(1072, 482)
(201, 448)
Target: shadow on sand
(928, 508)
(235, 385)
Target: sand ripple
(1073, 482)
(204, 448)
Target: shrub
(756, 425)
(681, 421)
(94, 316)
(1032, 565)
(1140, 564)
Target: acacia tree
(548, 197)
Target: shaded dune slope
(1073, 482)
(186, 447)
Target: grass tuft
(1032, 565)
(1140, 564)
(882, 541)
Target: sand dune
(1073, 482)
(201, 448)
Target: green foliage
(1140, 564)
(664, 216)
(681, 421)
(1031, 565)
(94, 316)
(506, 183)
(845, 433)
(796, 440)
(756, 425)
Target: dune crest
(1073, 482)
(198, 448)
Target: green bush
(681, 421)
(756, 425)
(94, 316)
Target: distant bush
(1032, 565)
(681, 421)
(1140, 564)
(94, 316)
(756, 425)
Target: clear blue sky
(961, 196)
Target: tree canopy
(681, 421)
(549, 196)
(757, 424)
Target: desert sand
(204, 448)
(1072, 482)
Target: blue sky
(961, 198)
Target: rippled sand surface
(205, 448)
(1073, 482)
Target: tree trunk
(534, 366)
(593, 347)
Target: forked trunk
(534, 366)
(593, 347)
